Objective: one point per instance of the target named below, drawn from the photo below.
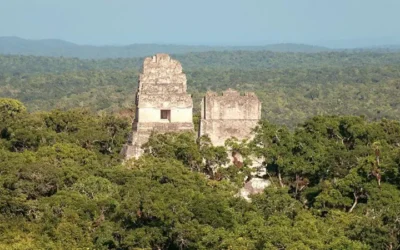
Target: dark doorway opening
(166, 115)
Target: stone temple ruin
(162, 105)
(229, 114)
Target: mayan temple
(162, 104)
(229, 114)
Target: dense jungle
(329, 137)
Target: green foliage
(180, 146)
(291, 86)
(335, 179)
(10, 107)
(64, 186)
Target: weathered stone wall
(162, 86)
(164, 101)
(153, 115)
(221, 130)
(229, 114)
(161, 75)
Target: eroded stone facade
(229, 114)
(162, 104)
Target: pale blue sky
(206, 22)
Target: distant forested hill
(221, 60)
(292, 86)
(57, 48)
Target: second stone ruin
(229, 115)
